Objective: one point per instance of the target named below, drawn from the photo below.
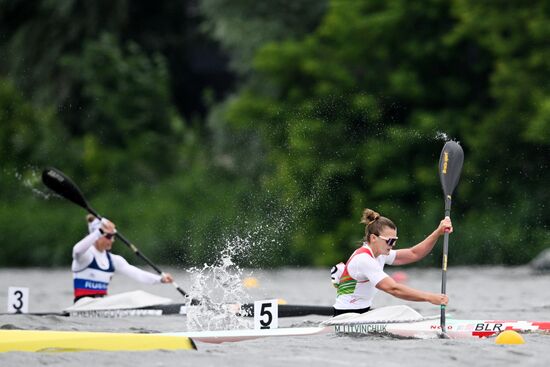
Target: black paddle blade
(450, 166)
(62, 185)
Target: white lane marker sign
(18, 300)
(266, 314)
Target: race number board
(18, 300)
(266, 314)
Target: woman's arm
(390, 286)
(418, 252)
(122, 266)
(81, 256)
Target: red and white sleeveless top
(357, 284)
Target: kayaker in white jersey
(363, 275)
(94, 265)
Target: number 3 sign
(266, 314)
(18, 300)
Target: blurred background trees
(269, 126)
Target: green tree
(244, 26)
(29, 138)
(350, 115)
(130, 123)
(38, 36)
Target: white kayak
(396, 321)
(134, 303)
(223, 336)
(429, 327)
(140, 303)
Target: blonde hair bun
(369, 216)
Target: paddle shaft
(450, 167)
(444, 263)
(246, 310)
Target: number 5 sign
(18, 300)
(266, 314)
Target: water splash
(218, 288)
(31, 179)
(261, 242)
(440, 135)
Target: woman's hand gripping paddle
(450, 167)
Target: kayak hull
(431, 328)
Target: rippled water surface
(475, 292)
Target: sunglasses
(110, 236)
(390, 241)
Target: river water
(475, 292)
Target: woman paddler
(363, 275)
(94, 265)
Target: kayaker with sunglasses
(363, 275)
(94, 265)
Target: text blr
(488, 327)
